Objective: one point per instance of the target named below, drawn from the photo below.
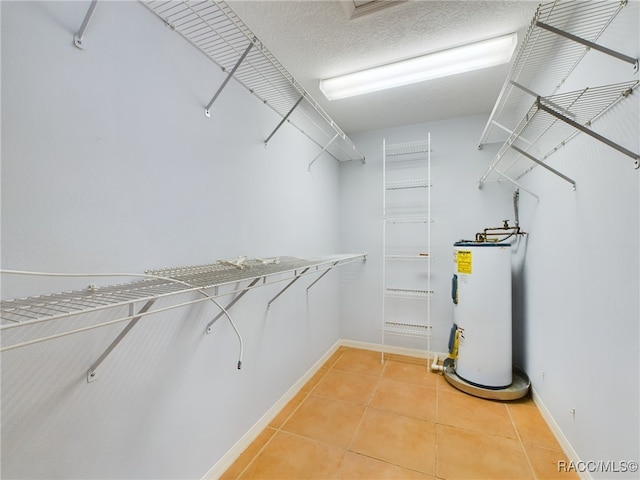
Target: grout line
(250, 462)
(364, 413)
(524, 450)
(367, 407)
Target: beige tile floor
(360, 418)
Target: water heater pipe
(435, 367)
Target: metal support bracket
(232, 303)
(589, 132)
(284, 119)
(322, 151)
(320, 277)
(517, 184)
(297, 277)
(78, 37)
(588, 44)
(542, 164)
(536, 96)
(207, 109)
(92, 375)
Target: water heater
(481, 293)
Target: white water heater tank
(481, 293)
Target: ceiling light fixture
(466, 58)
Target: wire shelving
(219, 33)
(534, 118)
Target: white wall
(582, 270)
(109, 165)
(459, 210)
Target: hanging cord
(140, 275)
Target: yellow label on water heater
(463, 259)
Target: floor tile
(531, 427)
(394, 357)
(405, 399)
(249, 453)
(365, 362)
(288, 456)
(548, 463)
(463, 454)
(359, 418)
(356, 466)
(472, 413)
(416, 373)
(333, 422)
(288, 409)
(403, 441)
(346, 386)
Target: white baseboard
(377, 347)
(557, 432)
(227, 460)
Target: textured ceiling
(320, 39)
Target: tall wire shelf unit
(406, 239)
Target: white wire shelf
(542, 131)
(407, 184)
(408, 329)
(409, 219)
(407, 292)
(217, 31)
(550, 46)
(407, 148)
(423, 256)
(25, 312)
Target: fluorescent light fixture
(466, 58)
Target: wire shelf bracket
(79, 36)
(284, 119)
(207, 109)
(92, 375)
(324, 149)
(296, 278)
(591, 45)
(597, 136)
(321, 277)
(232, 303)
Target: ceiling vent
(364, 7)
